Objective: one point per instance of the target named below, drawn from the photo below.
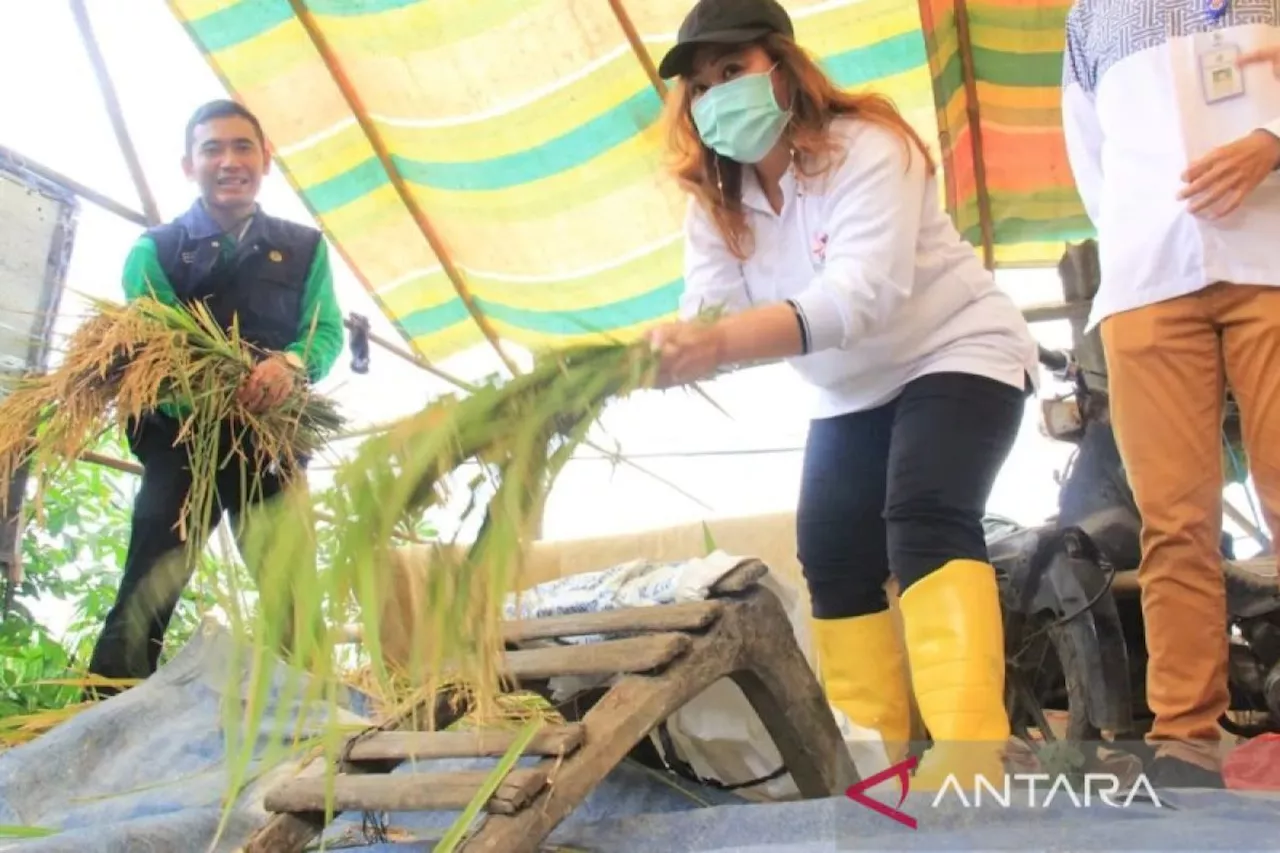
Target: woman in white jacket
(815, 234)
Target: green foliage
(31, 655)
(72, 560)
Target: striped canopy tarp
(492, 168)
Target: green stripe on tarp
(894, 55)
(239, 23)
(1017, 69)
(605, 318)
(345, 188)
(578, 146)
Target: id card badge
(1221, 78)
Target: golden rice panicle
(125, 360)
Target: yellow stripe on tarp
(422, 288)
(403, 30)
(579, 288)
(576, 191)
(543, 48)
(1029, 254)
(1020, 41)
(255, 63)
(538, 123)
(335, 156)
(859, 25)
(539, 341)
(459, 337)
(634, 217)
(1020, 97)
(381, 238)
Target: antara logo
(1102, 787)
(902, 770)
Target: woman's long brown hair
(716, 181)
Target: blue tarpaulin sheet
(145, 771)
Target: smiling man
(269, 276)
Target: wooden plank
(610, 657)
(741, 579)
(287, 833)
(407, 792)
(425, 746)
(686, 616)
(753, 642)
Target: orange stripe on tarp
(1016, 162)
(1025, 162)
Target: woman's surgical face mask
(741, 119)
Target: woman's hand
(689, 351)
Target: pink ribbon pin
(820, 246)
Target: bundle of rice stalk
(522, 432)
(127, 360)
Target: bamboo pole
(112, 104)
(638, 48)
(965, 45)
(126, 467)
(371, 132)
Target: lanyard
(1215, 10)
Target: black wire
(1109, 568)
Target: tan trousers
(1169, 364)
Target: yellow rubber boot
(954, 631)
(863, 669)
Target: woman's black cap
(723, 22)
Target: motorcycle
(1075, 639)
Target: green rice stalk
(522, 432)
(129, 360)
(13, 831)
(453, 837)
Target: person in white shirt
(1172, 123)
(815, 232)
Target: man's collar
(202, 226)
